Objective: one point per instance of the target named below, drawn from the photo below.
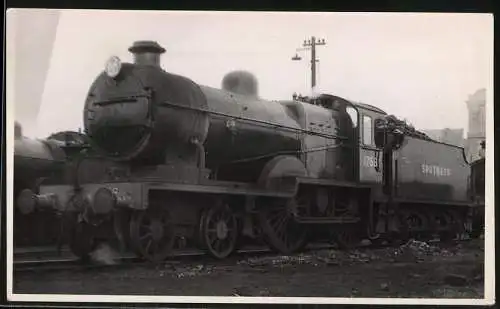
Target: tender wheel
(152, 234)
(445, 222)
(459, 225)
(280, 230)
(346, 237)
(477, 226)
(219, 231)
(415, 224)
(82, 241)
(456, 226)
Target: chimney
(147, 53)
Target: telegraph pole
(312, 43)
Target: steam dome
(241, 82)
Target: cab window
(367, 130)
(353, 114)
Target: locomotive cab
(360, 155)
(370, 144)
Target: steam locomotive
(173, 159)
(34, 161)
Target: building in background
(448, 136)
(476, 104)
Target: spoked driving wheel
(281, 231)
(152, 234)
(219, 231)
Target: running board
(316, 220)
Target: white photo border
(489, 277)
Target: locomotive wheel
(152, 234)
(280, 230)
(415, 224)
(82, 241)
(219, 231)
(477, 226)
(458, 228)
(346, 237)
(446, 222)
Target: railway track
(71, 262)
(40, 260)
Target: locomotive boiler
(148, 116)
(33, 159)
(178, 160)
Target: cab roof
(369, 107)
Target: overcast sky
(417, 66)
